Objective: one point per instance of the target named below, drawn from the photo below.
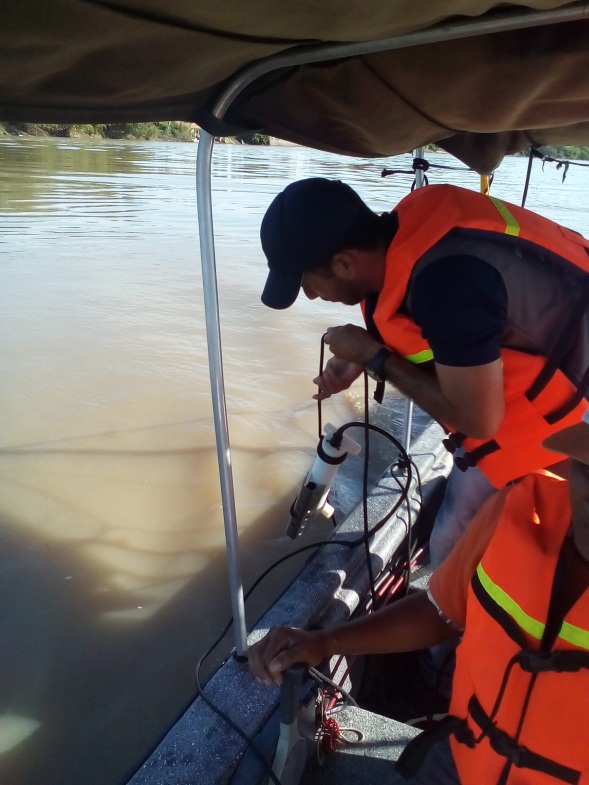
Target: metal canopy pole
(211, 300)
(408, 412)
(447, 31)
(301, 55)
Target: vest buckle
(553, 661)
(537, 661)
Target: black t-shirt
(460, 304)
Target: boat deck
(203, 748)
(394, 691)
(368, 762)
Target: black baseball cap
(304, 227)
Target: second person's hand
(282, 647)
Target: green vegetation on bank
(566, 153)
(188, 132)
(170, 131)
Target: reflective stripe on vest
(568, 632)
(421, 357)
(523, 698)
(512, 226)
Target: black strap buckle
(553, 661)
(518, 754)
(505, 746)
(472, 458)
(454, 441)
(414, 753)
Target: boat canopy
(493, 92)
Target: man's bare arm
(407, 625)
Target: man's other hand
(337, 375)
(280, 648)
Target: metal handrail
(446, 31)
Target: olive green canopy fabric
(76, 61)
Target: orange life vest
(523, 700)
(425, 217)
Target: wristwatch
(375, 367)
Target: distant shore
(163, 132)
(172, 131)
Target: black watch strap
(375, 367)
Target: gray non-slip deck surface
(369, 762)
(201, 748)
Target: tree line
(188, 132)
(169, 130)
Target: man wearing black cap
(464, 298)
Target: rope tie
(329, 736)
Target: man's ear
(344, 264)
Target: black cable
(200, 691)
(404, 489)
(553, 160)
(250, 742)
(321, 358)
(365, 493)
(423, 167)
(321, 677)
(354, 543)
(407, 571)
(528, 176)
(367, 534)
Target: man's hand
(409, 624)
(352, 346)
(352, 343)
(337, 375)
(280, 648)
(468, 399)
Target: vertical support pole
(408, 411)
(528, 176)
(407, 423)
(486, 184)
(211, 302)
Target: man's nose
(309, 292)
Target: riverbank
(173, 131)
(188, 132)
(160, 132)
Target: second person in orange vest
(516, 587)
(474, 308)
